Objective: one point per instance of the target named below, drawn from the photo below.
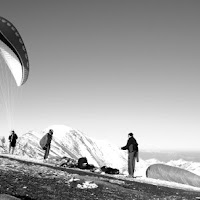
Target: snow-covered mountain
(75, 144)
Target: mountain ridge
(72, 143)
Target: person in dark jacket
(48, 144)
(132, 147)
(12, 139)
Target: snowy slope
(75, 144)
(5, 164)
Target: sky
(111, 67)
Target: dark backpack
(82, 163)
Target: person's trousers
(46, 154)
(11, 146)
(131, 163)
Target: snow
(87, 185)
(75, 144)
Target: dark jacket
(131, 145)
(49, 138)
(13, 139)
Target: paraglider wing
(13, 51)
(173, 174)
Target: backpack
(109, 170)
(82, 163)
(43, 142)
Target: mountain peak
(73, 143)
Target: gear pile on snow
(68, 162)
(109, 170)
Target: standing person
(132, 147)
(47, 147)
(12, 139)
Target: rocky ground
(30, 181)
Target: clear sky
(111, 67)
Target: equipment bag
(43, 142)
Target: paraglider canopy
(13, 51)
(12, 62)
(14, 69)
